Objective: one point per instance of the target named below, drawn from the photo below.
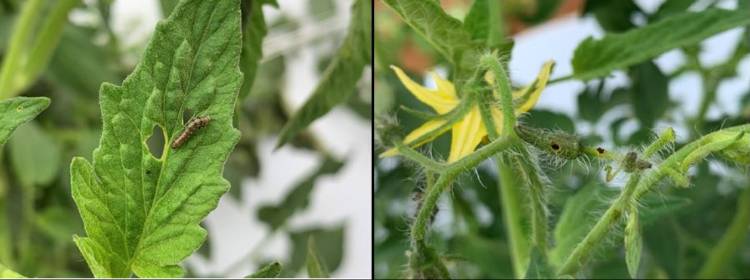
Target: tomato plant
(515, 191)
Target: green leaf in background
(549, 120)
(649, 93)
(7, 273)
(538, 268)
(34, 155)
(330, 248)
(612, 15)
(340, 77)
(315, 268)
(445, 33)
(78, 74)
(271, 270)
(595, 58)
(141, 213)
(656, 206)
(672, 7)
(298, 198)
(633, 243)
(58, 223)
(18, 110)
(485, 23)
(253, 31)
(577, 219)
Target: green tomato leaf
(329, 247)
(18, 110)
(649, 93)
(577, 219)
(656, 206)
(34, 155)
(633, 243)
(315, 268)
(253, 31)
(7, 273)
(595, 58)
(538, 267)
(340, 77)
(485, 23)
(446, 34)
(271, 270)
(141, 213)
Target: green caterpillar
(558, 143)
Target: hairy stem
(420, 158)
(508, 167)
(502, 87)
(731, 242)
(611, 217)
(428, 205)
(511, 200)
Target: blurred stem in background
(723, 253)
(35, 37)
(5, 244)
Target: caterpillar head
(557, 143)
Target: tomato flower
(466, 133)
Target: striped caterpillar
(190, 128)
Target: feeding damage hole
(156, 142)
(600, 150)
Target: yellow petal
(417, 133)
(444, 87)
(441, 100)
(530, 95)
(466, 135)
(497, 117)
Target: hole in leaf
(155, 143)
(555, 146)
(600, 150)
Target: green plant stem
(6, 256)
(502, 87)
(18, 44)
(530, 172)
(48, 39)
(690, 154)
(516, 164)
(29, 51)
(511, 198)
(721, 255)
(611, 217)
(25, 231)
(560, 79)
(417, 157)
(497, 25)
(428, 204)
(446, 178)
